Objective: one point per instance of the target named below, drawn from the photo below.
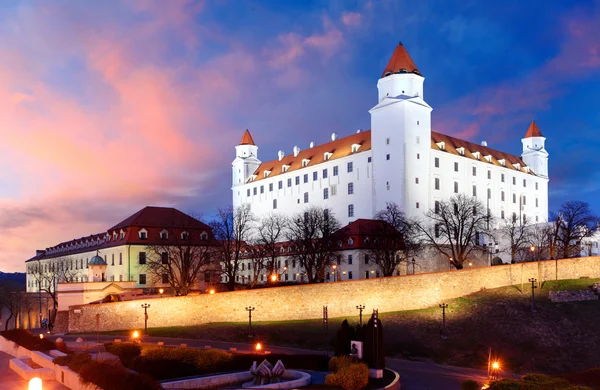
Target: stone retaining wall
(306, 301)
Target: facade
(118, 255)
(400, 160)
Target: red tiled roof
(341, 147)
(163, 217)
(247, 139)
(452, 144)
(533, 131)
(400, 62)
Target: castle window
(502, 162)
(524, 182)
(326, 193)
(204, 236)
(387, 156)
(350, 275)
(324, 173)
(248, 192)
(456, 187)
(455, 167)
(502, 214)
(489, 174)
(142, 278)
(417, 204)
(489, 193)
(536, 202)
(143, 234)
(112, 262)
(297, 180)
(514, 198)
(387, 141)
(142, 258)
(437, 162)
(289, 182)
(461, 151)
(350, 167)
(335, 171)
(285, 168)
(369, 159)
(502, 196)
(306, 177)
(165, 278)
(120, 260)
(315, 176)
(416, 180)
(418, 156)
(502, 177)
(262, 189)
(280, 185)
(474, 190)
(164, 258)
(524, 200)
(327, 156)
(254, 190)
(441, 145)
(266, 173)
(437, 183)
(306, 197)
(536, 185)
(418, 140)
(350, 210)
(350, 188)
(270, 187)
(333, 190)
(437, 230)
(514, 181)
(437, 207)
(349, 259)
(274, 203)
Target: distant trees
(575, 221)
(53, 271)
(454, 227)
(270, 230)
(9, 301)
(312, 235)
(232, 228)
(518, 237)
(396, 239)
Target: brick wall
(306, 301)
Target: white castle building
(399, 160)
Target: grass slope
(558, 338)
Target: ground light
(35, 384)
(41, 336)
(136, 336)
(258, 347)
(161, 291)
(212, 291)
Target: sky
(109, 106)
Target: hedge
(74, 361)
(347, 373)
(30, 341)
(113, 376)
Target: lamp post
(250, 309)
(325, 325)
(334, 272)
(444, 306)
(533, 287)
(532, 250)
(360, 308)
(413, 264)
(145, 306)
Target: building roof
(470, 150)
(400, 63)
(97, 260)
(163, 217)
(533, 131)
(341, 147)
(247, 139)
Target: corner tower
(246, 160)
(401, 137)
(534, 150)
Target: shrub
(28, 340)
(125, 351)
(113, 376)
(338, 362)
(534, 382)
(547, 381)
(73, 361)
(354, 376)
(469, 384)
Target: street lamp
(533, 287)
(145, 306)
(444, 306)
(360, 309)
(273, 278)
(250, 309)
(334, 272)
(494, 370)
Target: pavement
(414, 375)
(9, 380)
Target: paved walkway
(413, 375)
(9, 380)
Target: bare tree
(9, 301)
(182, 259)
(395, 239)
(312, 233)
(257, 261)
(270, 231)
(518, 236)
(576, 222)
(454, 226)
(232, 228)
(540, 238)
(54, 271)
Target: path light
(212, 291)
(136, 336)
(35, 384)
(41, 336)
(258, 347)
(161, 291)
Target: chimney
(333, 136)
(358, 131)
(483, 143)
(280, 155)
(312, 144)
(296, 151)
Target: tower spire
(533, 130)
(247, 139)
(400, 62)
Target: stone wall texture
(306, 301)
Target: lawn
(558, 338)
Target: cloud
(351, 19)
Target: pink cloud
(351, 19)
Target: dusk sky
(106, 106)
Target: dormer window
(164, 235)
(143, 234)
(461, 151)
(477, 155)
(305, 162)
(114, 236)
(282, 250)
(350, 241)
(327, 155)
(502, 162)
(526, 168)
(441, 145)
(252, 177)
(517, 166)
(267, 173)
(185, 236)
(355, 148)
(285, 168)
(204, 236)
(488, 158)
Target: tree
(454, 226)
(540, 238)
(54, 271)
(518, 237)
(271, 229)
(182, 259)
(575, 221)
(311, 234)
(396, 238)
(9, 301)
(232, 228)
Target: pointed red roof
(247, 139)
(400, 62)
(533, 131)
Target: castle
(400, 160)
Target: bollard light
(258, 347)
(136, 334)
(35, 384)
(161, 291)
(212, 291)
(41, 336)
